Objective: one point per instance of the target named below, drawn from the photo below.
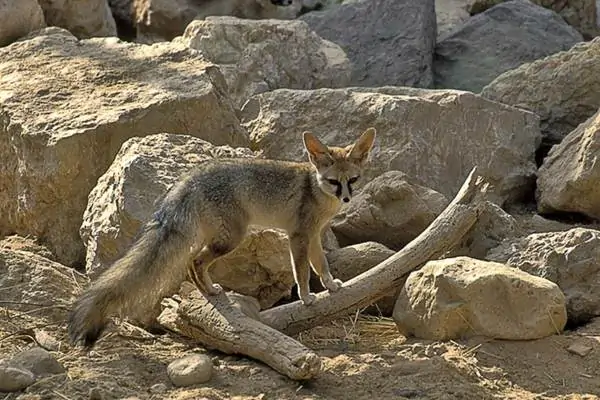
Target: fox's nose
(345, 199)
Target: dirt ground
(363, 358)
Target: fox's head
(338, 168)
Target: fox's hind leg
(216, 248)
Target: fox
(205, 215)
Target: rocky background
(105, 103)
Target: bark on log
(218, 321)
(443, 233)
(227, 323)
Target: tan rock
(389, 210)
(127, 195)
(442, 134)
(68, 105)
(261, 55)
(568, 178)
(29, 281)
(18, 18)
(462, 297)
(350, 261)
(540, 87)
(570, 259)
(83, 18)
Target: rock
(568, 179)
(540, 87)
(581, 14)
(443, 134)
(83, 18)
(29, 281)
(582, 347)
(261, 55)
(190, 370)
(38, 361)
(158, 388)
(350, 261)
(450, 14)
(68, 105)
(394, 44)
(163, 20)
(14, 379)
(492, 227)
(16, 242)
(500, 39)
(18, 18)
(389, 210)
(46, 340)
(462, 297)
(570, 259)
(128, 193)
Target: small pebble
(158, 388)
(14, 379)
(190, 370)
(580, 348)
(38, 361)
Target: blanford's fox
(205, 216)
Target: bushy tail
(152, 267)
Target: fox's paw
(308, 299)
(215, 289)
(334, 285)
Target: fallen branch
(443, 233)
(225, 323)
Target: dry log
(443, 233)
(227, 323)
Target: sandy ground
(363, 358)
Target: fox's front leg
(321, 265)
(299, 244)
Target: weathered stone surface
(462, 297)
(568, 180)
(256, 56)
(350, 261)
(190, 370)
(14, 379)
(83, 18)
(581, 14)
(389, 210)
(450, 14)
(389, 42)
(128, 193)
(500, 39)
(163, 20)
(563, 89)
(37, 360)
(18, 18)
(434, 136)
(570, 259)
(66, 106)
(29, 281)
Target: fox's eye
(353, 179)
(334, 182)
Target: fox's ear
(318, 153)
(361, 148)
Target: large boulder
(127, 195)
(18, 18)
(163, 20)
(83, 18)
(461, 297)
(29, 281)
(450, 15)
(581, 14)
(389, 42)
(434, 136)
(66, 106)
(570, 259)
(498, 40)
(256, 56)
(568, 178)
(389, 210)
(563, 89)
